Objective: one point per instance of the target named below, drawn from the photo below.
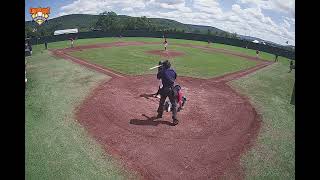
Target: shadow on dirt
(150, 121)
(147, 96)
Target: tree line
(111, 22)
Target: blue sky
(272, 20)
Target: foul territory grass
(65, 44)
(135, 61)
(270, 89)
(57, 147)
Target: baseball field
(90, 113)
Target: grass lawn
(270, 89)
(263, 55)
(64, 44)
(196, 63)
(57, 147)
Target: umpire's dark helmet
(166, 64)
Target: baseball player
(208, 43)
(257, 52)
(179, 98)
(30, 47)
(165, 43)
(72, 41)
(168, 77)
(292, 66)
(276, 58)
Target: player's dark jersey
(168, 76)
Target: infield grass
(134, 60)
(270, 90)
(57, 147)
(65, 44)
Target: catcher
(179, 98)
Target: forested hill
(110, 21)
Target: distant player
(257, 52)
(45, 45)
(72, 42)
(29, 46)
(292, 66)
(165, 43)
(276, 58)
(209, 43)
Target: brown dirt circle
(216, 126)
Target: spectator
(292, 66)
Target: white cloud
(170, 2)
(208, 6)
(129, 9)
(169, 5)
(291, 21)
(251, 21)
(286, 24)
(286, 6)
(98, 6)
(236, 8)
(246, 21)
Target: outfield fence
(175, 35)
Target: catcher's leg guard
(184, 99)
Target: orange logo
(40, 15)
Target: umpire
(168, 77)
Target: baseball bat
(155, 67)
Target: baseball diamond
(217, 123)
(219, 128)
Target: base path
(216, 126)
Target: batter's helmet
(166, 64)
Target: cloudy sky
(272, 20)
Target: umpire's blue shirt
(168, 76)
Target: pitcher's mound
(167, 53)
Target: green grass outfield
(64, 44)
(270, 89)
(57, 147)
(195, 63)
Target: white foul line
(93, 65)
